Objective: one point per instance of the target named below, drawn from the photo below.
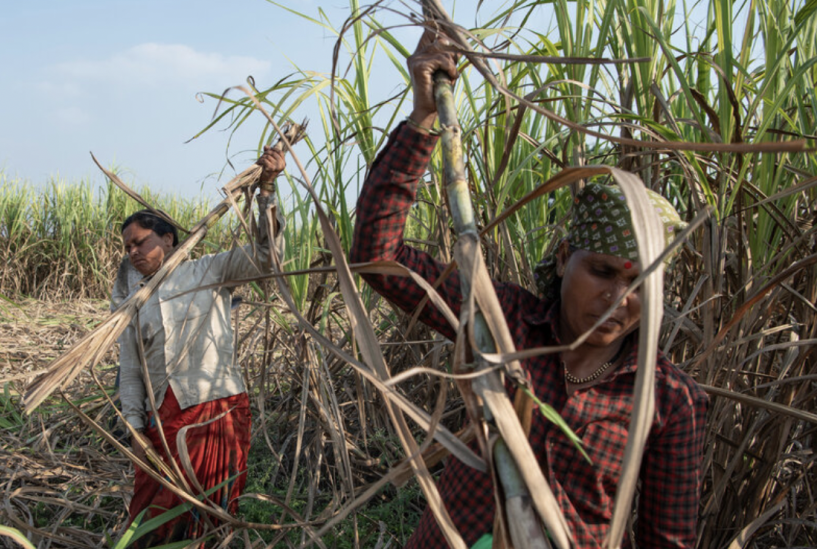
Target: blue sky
(119, 78)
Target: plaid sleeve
(672, 471)
(388, 193)
(382, 209)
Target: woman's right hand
(427, 59)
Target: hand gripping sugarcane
(520, 504)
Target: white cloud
(164, 65)
(64, 88)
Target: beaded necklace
(580, 380)
(595, 375)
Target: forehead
(611, 261)
(135, 232)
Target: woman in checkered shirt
(591, 386)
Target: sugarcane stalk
(524, 528)
(90, 349)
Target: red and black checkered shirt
(671, 469)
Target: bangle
(422, 129)
(268, 186)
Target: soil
(61, 481)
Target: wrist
(424, 119)
(423, 129)
(266, 188)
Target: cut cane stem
(524, 528)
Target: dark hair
(149, 220)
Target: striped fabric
(218, 453)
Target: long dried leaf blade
(649, 234)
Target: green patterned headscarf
(602, 224)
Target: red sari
(218, 452)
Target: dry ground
(59, 481)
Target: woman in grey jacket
(178, 353)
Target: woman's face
(591, 283)
(146, 249)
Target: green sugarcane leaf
(553, 416)
(805, 12)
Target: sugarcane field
(515, 274)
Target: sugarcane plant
(690, 119)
